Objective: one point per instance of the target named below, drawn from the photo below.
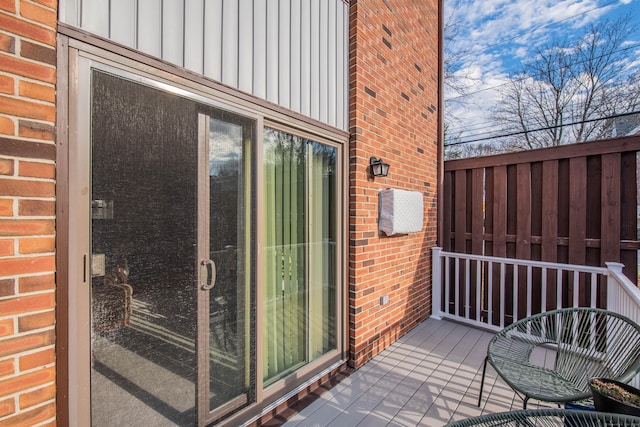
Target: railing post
(436, 283)
(613, 292)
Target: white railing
(492, 292)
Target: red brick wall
(393, 115)
(27, 211)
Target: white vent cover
(401, 211)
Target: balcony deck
(430, 377)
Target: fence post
(436, 283)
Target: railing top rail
(531, 263)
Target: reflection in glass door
(226, 376)
(144, 145)
(170, 238)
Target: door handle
(208, 276)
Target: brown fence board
(577, 209)
(460, 218)
(447, 207)
(477, 233)
(610, 228)
(500, 211)
(523, 226)
(578, 222)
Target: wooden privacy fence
(574, 204)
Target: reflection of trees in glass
(226, 148)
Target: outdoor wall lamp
(378, 167)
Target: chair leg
(484, 371)
(524, 403)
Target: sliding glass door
(300, 252)
(170, 257)
(203, 253)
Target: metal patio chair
(588, 342)
(550, 417)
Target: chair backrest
(594, 343)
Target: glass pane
(143, 237)
(300, 239)
(228, 321)
(322, 248)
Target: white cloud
(498, 34)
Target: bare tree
(560, 95)
(455, 80)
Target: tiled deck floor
(430, 377)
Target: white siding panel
(260, 49)
(245, 46)
(69, 12)
(230, 42)
(284, 54)
(95, 17)
(173, 31)
(295, 54)
(342, 42)
(150, 27)
(324, 59)
(272, 50)
(305, 58)
(331, 65)
(213, 39)
(194, 35)
(314, 86)
(123, 22)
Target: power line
(541, 129)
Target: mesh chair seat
(588, 342)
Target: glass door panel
(300, 285)
(226, 295)
(144, 146)
(171, 322)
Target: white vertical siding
(324, 60)
(193, 36)
(213, 39)
(342, 43)
(95, 16)
(245, 46)
(314, 83)
(290, 52)
(284, 54)
(294, 84)
(260, 49)
(230, 42)
(173, 31)
(150, 27)
(332, 53)
(123, 30)
(272, 50)
(305, 59)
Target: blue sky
(499, 34)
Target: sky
(497, 35)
